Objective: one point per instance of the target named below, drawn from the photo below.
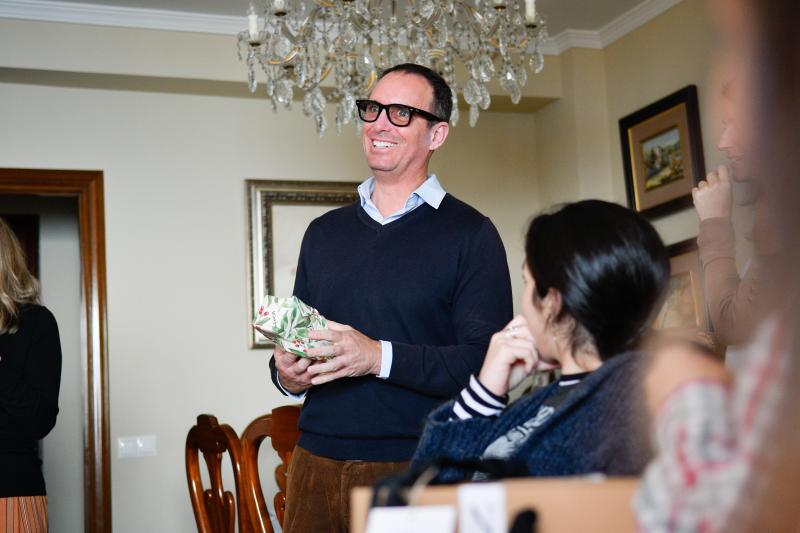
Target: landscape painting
(663, 161)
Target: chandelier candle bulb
(499, 4)
(252, 23)
(279, 6)
(530, 11)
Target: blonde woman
(30, 376)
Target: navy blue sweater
(435, 284)
(600, 427)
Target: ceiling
(560, 14)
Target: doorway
(86, 187)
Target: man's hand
(354, 353)
(292, 371)
(511, 357)
(675, 364)
(713, 197)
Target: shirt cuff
(386, 359)
(478, 401)
(299, 397)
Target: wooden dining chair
(215, 509)
(281, 428)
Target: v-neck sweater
(434, 283)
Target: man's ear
(439, 132)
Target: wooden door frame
(87, 187)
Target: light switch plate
(136, 446)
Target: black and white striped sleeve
(477, 401)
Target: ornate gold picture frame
(279, 213)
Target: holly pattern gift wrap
(287, 321)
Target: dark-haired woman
(593, 273)
(30, 377)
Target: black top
(30, 376)
(434, 283)
(566, 384)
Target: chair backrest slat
(215, 509)
(281, 428)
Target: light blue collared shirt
(430, 192)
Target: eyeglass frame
(385, 107)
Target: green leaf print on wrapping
(287, 321)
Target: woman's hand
(511, 357)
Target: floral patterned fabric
(707, 437)
(287, 321)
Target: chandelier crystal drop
(299, 43)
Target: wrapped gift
(287, 321)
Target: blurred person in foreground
(30, 378)
(728, 446)
(728, 198)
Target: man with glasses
(413, 282)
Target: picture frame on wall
(278, 213)
(684, 307)
(662, 152)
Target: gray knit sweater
(600, 428)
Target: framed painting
(662, 152)
(279, 213)
(684, 307)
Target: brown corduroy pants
(318, 490)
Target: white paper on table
(415, 519)
(482, 508)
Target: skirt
(23, 514)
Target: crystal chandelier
(469, 42)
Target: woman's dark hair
(608, 264)
(442, 105)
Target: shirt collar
(431, 191)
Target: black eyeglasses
(398, 114)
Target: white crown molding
(633, 19)
(125, 17)
(617, 28)
(572, 39)
(155, 19)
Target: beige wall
(670, 52)
(577, 137)
(571, 136)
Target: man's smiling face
(396, 151)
